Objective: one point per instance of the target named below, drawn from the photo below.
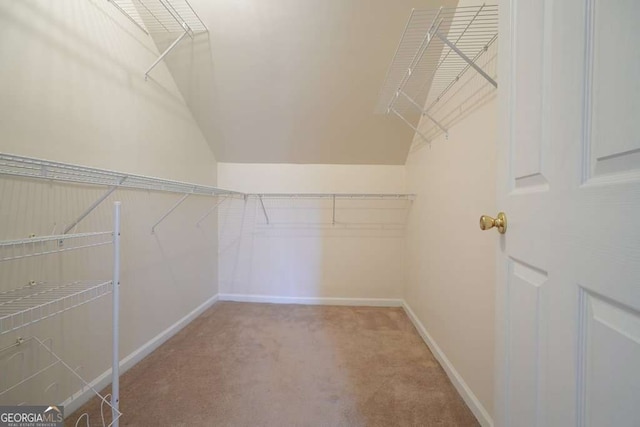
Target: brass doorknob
(486, 222)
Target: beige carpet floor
(241, 364)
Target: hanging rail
(436, 48)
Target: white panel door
(568, 303)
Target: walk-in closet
(333, 213)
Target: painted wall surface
(450, 262)
(301, 253)
(297, 178)
(73, 90)
(286, 81)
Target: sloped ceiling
(295, 81)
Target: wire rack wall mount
(436, 49)
(162, 16)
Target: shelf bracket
(167, 50)
(264, 211)
(415, 129)
(467, 59)
(93, 206)
(424, 113)
(153, 228)
(210, 211)
(334, 210)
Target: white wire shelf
(333, 195)
(27, 167)
(55, 171)
(436, 49)
(37, 301)
(161, 16)
(35, 246)
(175, 17)
(36, 374)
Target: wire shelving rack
(162, 16)
(55, 171)
(36, 301)
(437, 48)
(27, 167)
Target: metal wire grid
(38, 301)
(332, 195)
(160, 16)
(424, 67)
(25, 248)
(451, 106)
(331, 210)
(43, 169)
(47, 361)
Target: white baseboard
(370, 302)
(467, 395)
(103, 380)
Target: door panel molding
(605, 329)
(611, 107)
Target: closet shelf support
(436, 48)
(93, 206)
(167, 50)
(415, 129)
(333, 222)
(425, 113)
(162, 218)
(264, 211)
(210, 211)
(467, 59)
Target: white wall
(73, 90)
(450, 262)
(300, 253)
(450, 284)
(296, 178)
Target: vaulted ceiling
(295, 81)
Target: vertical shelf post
(115, 370)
